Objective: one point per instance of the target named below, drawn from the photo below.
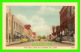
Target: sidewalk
(68, 42)
(11, 43)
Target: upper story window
(72, 10)
(68, 13)
(14, 25)
(9, 22)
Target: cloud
(37, 23)
(34, 20)
(46, 10)
(42, 29)
(37, 20)
(22, 18)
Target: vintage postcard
(40, 26)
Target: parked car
(29, 39)
(23, 40)
(58, 39)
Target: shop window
(9, 37)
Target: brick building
(28, 28)
(67, 18)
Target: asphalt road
(42, 41)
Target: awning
(18, 32)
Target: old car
(23, 40)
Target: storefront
(17, 36)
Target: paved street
(42, 41)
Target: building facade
(28, 27)
(14, 27)
(9, 26)
(33, 34)
(53, 29)
(57, 30)
(17, 28)
(67, 22)
(67, 18)
(26, 32)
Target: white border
(38, 4)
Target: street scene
(45, 43)
(40, 26)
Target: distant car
(53, 38)
(23, 40)
(29, 39)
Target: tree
(43, 37)
(39, 37)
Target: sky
(41, 18)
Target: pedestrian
(61, 36)
(63, 33)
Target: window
(9, 22)
(9, 37)
(17, 26)
(14, 25)
(72, 10)
(68, 14)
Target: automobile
(29, 39)
(53, 38)
(58, 39)
(23, 40)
